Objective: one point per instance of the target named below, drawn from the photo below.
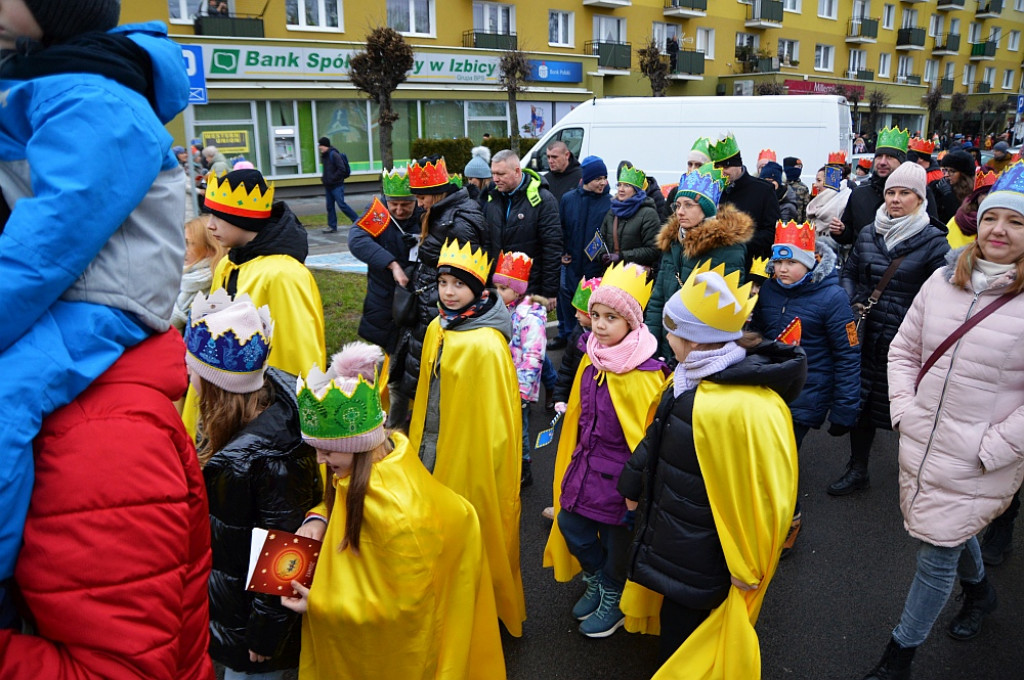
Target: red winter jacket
(116, 557)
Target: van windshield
(573, 138)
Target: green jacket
(637, 234)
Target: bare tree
(855, 96)
(513, 70)
(1002, 108)
(768, 87)
(984, 107)
(378, 71)
(877, 99)
(653, 67)
(957, 105)
(931, 102)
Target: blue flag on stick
(547, 436)
(595, 246)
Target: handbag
(405, 303)
(861, 310)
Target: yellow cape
(955, 237)
(747, 453)
(635, 397)
(415, 602)
(479, 446)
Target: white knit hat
(909, 176)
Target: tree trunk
(384, 127)
(513, 116)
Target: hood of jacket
(729, 227)
(283, 235)
(773, 364)
(497, 317)
(168, 81)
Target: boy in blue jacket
(92, 245)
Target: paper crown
(709, 308)
(893, 138)
(515, 266)
(984, 179)
(212, 339)
(338, 414)
(836, 158)
(796, 235)
(629, 278)
(702, 145)
(833, 177)
(704, 185)
(221, 197)
(584, 289)
(456, 179)
(429, 176)
(759, 267)
(465, 258)
(767, 155)
(921, 146)
(864, 163)
(724, 148)
(633, 176)
(1012, 179)
(395, 183)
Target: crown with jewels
(795, 235)
(395, 183)
(220, 196)
(584, 289)
(893, 138)
(709, 309)
(922, 146)
(634, 176)
(724, 148)
(767, 155)
(631, 279)
(759, 267)
(984, 179)
(704, 185)
(1011, 180)
(836, 158)
(514, 266)
(228, 336)
(331, 417)
(433, 174)
(466, 258)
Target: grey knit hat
(63, 19)
(1007, 192)
(479, 167)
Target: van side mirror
(534, 164)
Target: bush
(456, 152)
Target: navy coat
(582, 213)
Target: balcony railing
(983, 51)
(610, 54)
(764, 14)
(910, 39)
(685, 8)
(862, 30)
(946, 86)
(608, 4)
(490, 41)
(689, 63)
(980, 87)
(948, 5)
(946, 43)
(989, 9)
(228, 26)
(865, 74)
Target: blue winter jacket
(828, 337)
(582, 213)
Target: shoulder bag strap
(884, 281)
(615, 233)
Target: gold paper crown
(465, 258)
(631, 279)
(221, 197)
(709, 309)
(759, 267)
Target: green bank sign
(241, 62)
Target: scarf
(626, 209)
(967, 214)
(637, 347)
(987, 275)
(699, 364)
(454, 318)
(896, 230)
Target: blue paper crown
(704, 185)
(1012, 179)
(226, 352)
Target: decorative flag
(595, 245)
(547, 436)
(376, 218)
(791, 333)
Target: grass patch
(342, 295)
(319, 221)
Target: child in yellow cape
(717, 477)
(466, 422)
(402, 588)
(616, 383)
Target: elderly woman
(890, 261)
(959, 409)
(631, 226)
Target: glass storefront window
(224, 111)
(443, 119)
(346, 125)
(403, 131)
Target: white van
(656, 133)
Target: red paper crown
(793, 234)
(864, 163)
(837, 158)
(921, 146)
(767, 154)
(428, 176)
(984, 179)
(515, 266)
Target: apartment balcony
(908, 79)
(860, 74)
(610, 55)
(946, 86)
(689, 65)
(607, 4)
(989, 9)
(490, 41)
(862, 30)
(983, 51)
(950, 5)
(764, 14)
(685, 9)
(946, 44)
(980, 87)
(910, 39)
(229, 27)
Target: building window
(314, 14)
(884, 62)
(706, 42)
(969, 71)
(827, 9)
(954, 27)
(789, 52)
(609, 29)
(935, 25)
(1008, 79)
(904, 68)
(974, 33)
(931, 70)
(560, 28)
(909, 18)
(411, 17)
(791, 5)
(662, 32)
(888, 16)
(824, 56)
(748, 40)
(996, 36)
(495, 18)
(858, 60)
(950, 70)
(1018, 5)
(990, 76)
(178, 10)
(1013, 44)
(487, 117)
(861, 10)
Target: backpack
(344, 166)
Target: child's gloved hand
(629, 519)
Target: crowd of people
(706, 326)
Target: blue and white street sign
(193, 56)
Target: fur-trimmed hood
(729, 227)
(826, 263)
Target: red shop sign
(818, 87)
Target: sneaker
(794, 531)
(548, 512)
(591, 599)
(607, 618)
(328, 230)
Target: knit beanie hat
(1007, 192)
(475, 284)
(791, 162)
(910, 176)
(792, 172)
(961, 161)
(772, 171)
(324, 141)
(227, 341)
(681, 316)
(340, 410)
(619, 289)
(61, 20)
(479, 166)
(241, 198)
(593, 167)
(1001, 146)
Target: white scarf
(896, 230)
(989, 274)
(699, 364)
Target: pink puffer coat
(961, 436)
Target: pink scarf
(637, 347)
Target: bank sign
(245, 62)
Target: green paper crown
(338, 415)
(395, 184)
(634, 176)
(702, 145)
(893, 138)
(724, 148)
(456, 179)
(585, 288)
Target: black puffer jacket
(676, 550)
(863, 204)
(756, 197)
(265, 477)
(457, 216)
(925, 252)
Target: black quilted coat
(265, 477)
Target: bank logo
(224, 62)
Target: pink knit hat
(228, 341)
(909, 176)
(617, 298)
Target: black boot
(527, 476)
(854, 479)
(997, 542)
(895, 663)
(979, 599)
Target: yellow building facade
(275, 72)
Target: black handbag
(405, 303)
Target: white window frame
(888, 16)
(865, 10)
(322, 13)
(884, 64)
(660, 30)
(499, 8)
(1008, 79)
(931, 71)
(954, 27)
(1018, 5)
(741, 40)
(858, 60)
(989, 76)
(411, 15)
(600, 19)
(788, 56)
(909, 19)
(567, 21)
(950, 73)
(995, 34)
(970, 71)
(935, 25)
(792, 6)
(706, 42)
(824, 58)
(1013, 41)
(184, 12)
(904, 66)
(827, 9)
(974, 33)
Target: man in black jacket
(748, 194)
(336, 171)
(564, 170)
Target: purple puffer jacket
(589, 484)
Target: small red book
(276, 558)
